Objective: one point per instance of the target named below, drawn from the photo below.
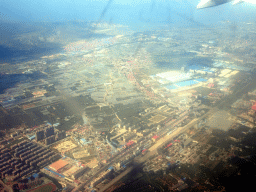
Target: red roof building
(155, 138)
(56, 166)
(170, 144)
(210, 85)
(254, 107)
(129, 143)
(143, 150)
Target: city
(87, 117)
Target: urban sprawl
(163, 100)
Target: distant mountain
(30, 38)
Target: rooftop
(58, 164)
(155, 137)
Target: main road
(152, 151)
(225, 103)
(246, 85)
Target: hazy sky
(121, 11)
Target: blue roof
(199, 67)
(171, 87)
(110, 168)
(208, 69)
(186, 83)
(54, 172)
(32, 137)
(201, 79)
(195, 67)
(35, 175)
(84, 141)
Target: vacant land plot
(65, 146)
(220, 120)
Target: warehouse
(56, 166)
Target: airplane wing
(237, 2)
(211, 3)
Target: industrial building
(100, 178)
(80, 172)
(56, 166)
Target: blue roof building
(31, 137)
(56, 124)
(84, 142)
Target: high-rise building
(61, 135)
(49, 132)
(40, 135)
(50, 140)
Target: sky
(121, 11)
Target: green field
(44, 188)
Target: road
(247, 85)
(153, 150)
(116, 179)
(5, 187)
(244, 87)
(113, 161)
